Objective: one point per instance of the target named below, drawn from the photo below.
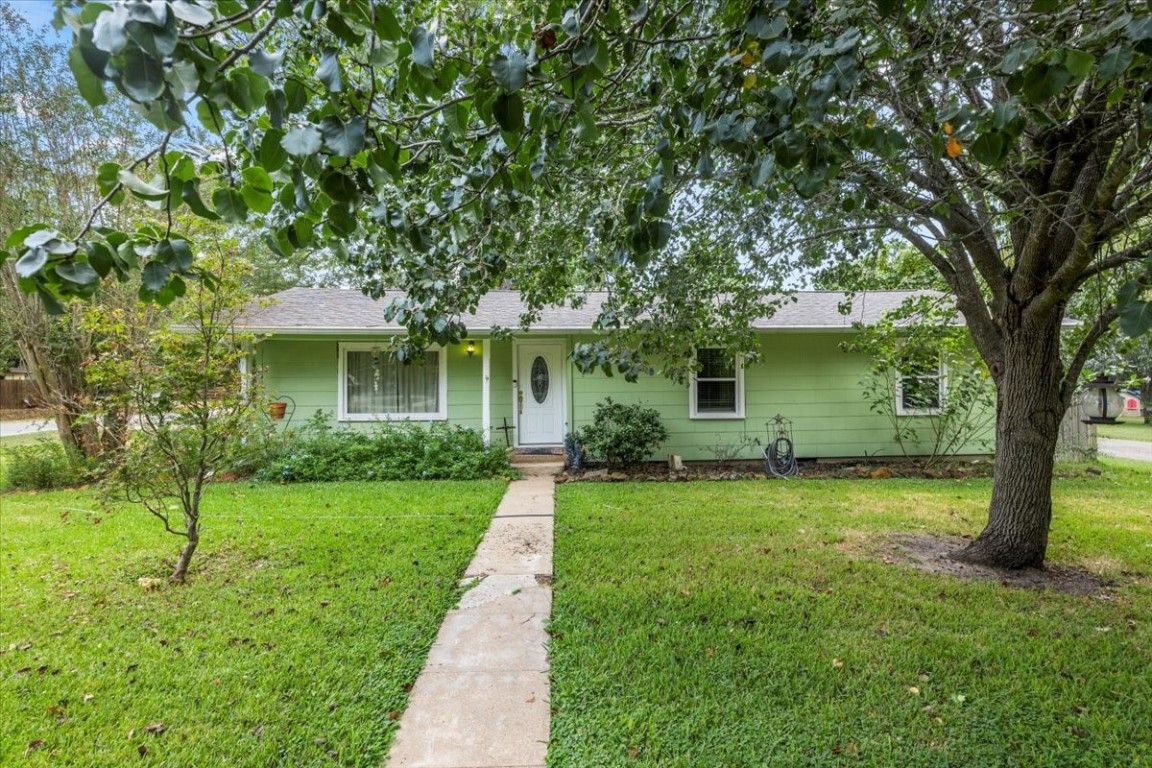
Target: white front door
(540, 393)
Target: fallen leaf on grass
(914, 690)
(837, 663)
(34, 745)
(156, 728)
(711, 651)
(142, 750)
(88, 697)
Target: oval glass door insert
(540, 379)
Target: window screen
(716, 382)
(378, 384)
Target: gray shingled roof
(342, 310)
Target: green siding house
(327, 349)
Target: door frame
(562, 371)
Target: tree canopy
(685, 156)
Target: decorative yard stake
(506, 429)
(780, 454)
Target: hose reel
(780, 452)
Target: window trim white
(942, 388)
(345, 347)
(693, 405)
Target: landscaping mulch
(808, 469)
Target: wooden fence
(15, 393)
(1077, 441)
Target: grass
(1126, 430)
(309, 612)
(757, 623)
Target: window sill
(393, 417)
(715, 416)
(930, 412)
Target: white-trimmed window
(920, 390)
(375, 385)
(717, 389)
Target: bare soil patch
(931, 554)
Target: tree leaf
(1135, 313)
(328, 72)
(585, 51)
(191, 13)
(508, 109)
(1079, 63)
(339, 186)
(90, 86)
(264, 63)
(1115, 61)
(31, 262)
(230, 205)
(109, 34)
(272, 155)
(257, 178)
(344, 139)
(77, 272)
(190, 194)
(386, 24)
(302, 141)
(177, 254)
(1139, 28)
(422, 45)
(139, 187)
(142, 76)
(155, 275)
(256, 199)
(511, 71)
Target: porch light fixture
(471, 348)
(1101, 401)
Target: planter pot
(277, 410)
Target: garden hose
(780, 458)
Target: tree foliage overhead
(679, 154)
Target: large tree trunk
(1030, 404)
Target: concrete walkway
(482, 700)
(1124, 449)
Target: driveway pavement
(1124, 449)
(26, 427)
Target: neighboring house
(328, 350)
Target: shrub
(41, 466)
(389, 451)
(623, 435)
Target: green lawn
(1129, 429)
(756, 623)
(310, 610)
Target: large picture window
(920, 390)
(717, 390)
(375, 385)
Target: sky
(38, 12)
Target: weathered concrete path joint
(482, 700)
